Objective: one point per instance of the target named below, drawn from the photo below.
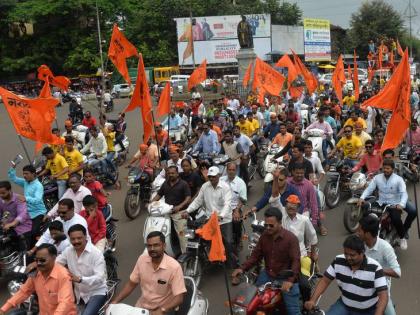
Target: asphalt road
(405, 291)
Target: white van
(180, 77)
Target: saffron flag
(267, 77)
(391, 58)
(46, 75)
(296, 91)
(187, 36)
(310, 79)
(199, 75)
(247, 75)
(395, 96)
(164, 106)
(339, 79)
(380, 55)
(141, 98)
(211, 232)
(399, 49)
(286, 62)
(370, 74)
(31, 118)
(355, 77)
(119, 50)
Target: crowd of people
(68, 256)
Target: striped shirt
(359, 288)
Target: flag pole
(157, 143)
(227, 288)
(101, 101)
(24, 149)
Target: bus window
(157, 74)
(165, 74)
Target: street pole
(101, 101)
(192, 36)
(410, 12)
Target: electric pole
(410, 12)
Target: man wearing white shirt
(233, 104)
(216, 195)
(75, 192)
(96, 145)
(67, 217)
(87, 268)
(314, 159)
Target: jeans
(62, 187)
(107, 162)
(338, 308)
(325, 144)
(291, 298)
(119, 140)
(411, 210)
(227, 236)
(36, 226)
(94, 305)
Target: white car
(121, 90)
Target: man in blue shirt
(173, 122)
(273, 128)
(208, 142)
(33, 192)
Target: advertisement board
(317, 39)
(215, 37)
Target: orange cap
(173, 148)
(293, 199)
(143, 147)
(157, 124)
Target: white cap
(213, 171)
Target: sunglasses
(40, 260)
(269, 225)
(347, 131)
(282, 179)
(368, 147)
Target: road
(405, 291)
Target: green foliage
(374, 20)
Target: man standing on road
(361, 281)
(381, 251)
(159, 276)
(86, 265)
(177, 193)
(280, 250)
(216, 195)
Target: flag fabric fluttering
(211, 232)
(339, 79)
(141, 98)
(188, 37)
(199, 75)
(164, 106)
(310, 80)
(119, 50)
(395, 96)
(46, 75)
(356, 87)
(267, 77)
(400, 51)
(32, 118)
(286, 62)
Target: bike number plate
(192, 244)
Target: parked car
(122, 90)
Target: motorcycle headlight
(13, 286)
(189, 233)
(239, 310)
(131, 179)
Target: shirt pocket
(52, 297)
(162, 288)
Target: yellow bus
(164, 73)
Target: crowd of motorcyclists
(202, 159)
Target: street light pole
(192, 36)
(101, 101)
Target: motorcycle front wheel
(351, 218)
(332, 194)
(260, 168)
(192, 268)
(132, 205)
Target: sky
(339, 11)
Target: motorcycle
(352, 215)
(387, 230)
(106, 177)
(220, 161)
(76, 112)
(50, 192)
(109, 106)
(194, 303)
(111, 233)
(138, 193)
(263, 144)
(121, 155)
(269, 164)
(338, 178)
(10, 256)
(159, 219)
(316, 136)
(407, 166)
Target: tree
(373, 21)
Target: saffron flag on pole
(141, 98)
(119, 50)
(188, 37)
(310, 79)
(399, 49)
(46, 75)
(199, 75)
(286, 62)
(267, 77)
(164, 106)
(339, 79)
(395, 96)
(31, 118)
(211, 232)
(355, 77)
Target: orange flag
(286, 62)
(199, 75)
(370, 74)
(31, 117)
(339, 79)
(310, 79)
(380, 55)
(395, 96)
(119, 50)
(247, 75)
(211, 232)
(164, 106)
(391, 58)
(399, 49)
(187, 36)
(296, 91)
(355, 77)
(141, 98)
(46, 75)
(267, 77)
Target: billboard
(215, 37)
(317, 39)
(286, 37)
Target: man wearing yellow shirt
(349, 100)
(109, 134)
(350, 145)
(254, 122)
(245, 126)
(73, 157)
(57, 167)
(354, 118)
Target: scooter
(269, 164)
(194, 303)
(316, 136)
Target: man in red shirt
(96, 189)
(95, 221)
(372, 159)
(89, 121)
